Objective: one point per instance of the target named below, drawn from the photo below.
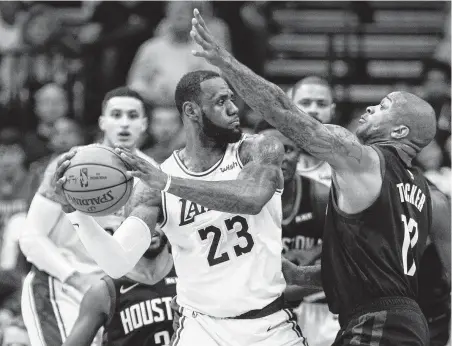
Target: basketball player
(314, 96)
(380, 208)
(135, 309)
(221, 202)
(304, 203)
(62, 270)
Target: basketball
(96, 181)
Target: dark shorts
(386, 322)
(439, 326)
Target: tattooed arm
(117, 254)
(354, 164)
(253, 188)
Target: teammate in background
(380, 209)
(304, 201)
(314, 96)
(62, 270)
(221, 201)
(135, 309)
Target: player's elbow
(26, 242)
(254, 205)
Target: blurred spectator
(51, 104)
(442, 52)
(162, 61)
(120, 27)
(430, 160)
(166, 133)
(15, 334)
(66, 134)
(12, 18)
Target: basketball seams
(116, 154)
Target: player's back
(140, 314)
(376, 253)
(227, 264)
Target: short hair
(123, 91)
(189, 87)
(312, 80)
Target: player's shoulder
(261, 147)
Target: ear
(101, 122)
(191, 110)
(333, 111)
(145, 124)
(399, 132)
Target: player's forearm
(34, 242)
(231, 196)
(304, 276)
(277, 109)
(117, 254)
(79, 337)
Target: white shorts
(278, 329)
(320, 326)
(49, 309)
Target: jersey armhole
(164, 212)
(382, 162)
(237, 153)
(112, 293)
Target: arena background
(58, 58)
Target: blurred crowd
(58, 59)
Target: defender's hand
(139, 168)
(211, 49)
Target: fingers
(199, 54)
(61, 168)
(67, 156)
(203, 33)
(60, 182)
(200, 19)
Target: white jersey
(227, 264)
(320, 172)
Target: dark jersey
(140, 314)
(303, 228)
(376, 253)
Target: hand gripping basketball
(149, 174)
(59, 179)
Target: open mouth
(124, 135)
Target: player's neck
(152, 271)
(201, 153)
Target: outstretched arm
(253, 188)
(93, 313)
(330, 143)
(302, 276)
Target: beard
(153, 253)
(219, 134)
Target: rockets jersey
(227, 264)
(303, 228)
(376, 253)
(140, 314)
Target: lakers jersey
(320, 172)
(140, 314)
(227, 264)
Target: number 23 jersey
(227, 264)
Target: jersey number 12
(215, 259)
(409, 241)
